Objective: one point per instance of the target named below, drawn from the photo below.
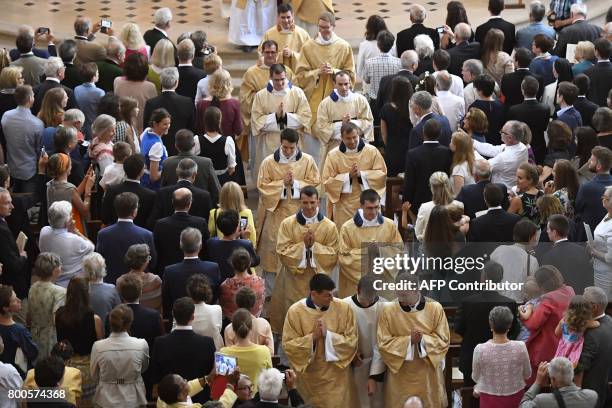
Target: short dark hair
(369, 195)
(349, 127)
(603, 156)
(6, 294)
(158, 115)
(129, 288)
(88, 71)
(245, 298)
(133, 166)
(568, 91)
(121, 151)
(135, 67)
(320, 282)
(290, 135)
(543, 42)
(168, 389)
(212, 119)
(284, 8)
(603, 46)
(309, 191)
(227, 221)
(183, 140)
(341, 73)
(182, 310)
(277, 69)
(523, 57)
(496, 6)
(485, 84)
(374, 25)
(523, 231)
(199, 39)
(198, 287)
(602, 119)
(432, 130)
(559, 223)
(530, 86)
(22, 94)
(125, 204)
(582, 82)
(493, 195)
(24, 42)
(385, 41)
(442, 59)
(493, 271)
(240, 260)
(67, 50)
(49, 371)
(548, 278)
(268, 44)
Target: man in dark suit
(511, 83)
(601, 73)
(175, 276)
(584, 106)
(110, 67)
(162, 20)
(421, 104)
(189, 76)
(405, 38)
(421, 163)
(181, 108)
(167, 231)
(578, 30)
(72, 73)
(496, 225)
(114, 241)
(134, 169)
(410, 62)
(472, 320)
(14, 261)
(206, 178)
(596, 357)
(186, 172)
(463, 49)
(495, 21)
(47, 37)
(472, 195)
(571, 259)
(54, 71)
(182, 351)
(535, 114)
(567, 93)
(588, 206)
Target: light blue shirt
(23, 134)
(524, 36)
(87, 97)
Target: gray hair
(74, 115)
(186, 168)
(608, 191)
(102, 124)
(64, 132)
(423, 45)
(562, 370)
(443, 81)
(409, 58)
(137, 255)
(516, 129)
(115, 48)
(82, 26)
(162, 17)
(474, 66)
(482, 169)
(46, 263)
(593, 294)
(579, 8)
(191, 240)
(59, 214)
(25, 29)
(537, 10)
(417, 13)
(270, 384)
(500, 319)
(94, 266)
(462, 32)
(52, 65)
(169, 78)
(185, 51)
(422, 99)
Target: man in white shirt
(452, 105)
(507, 157)
(441, 61)
(471, 69)
(9, 380)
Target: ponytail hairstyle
(242, 323)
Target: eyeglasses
(245, 387)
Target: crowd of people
(131, 264)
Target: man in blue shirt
(524, 36)
(88, 96)
(567, 93)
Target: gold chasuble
(418, 369)
(324, 373)
(292, 282)
(254, 80)
(293, 39)
(310, 10)
(337, 52)
(343, 192)
(355, 234)
(329, 119)
(277, 202)
(265, 128)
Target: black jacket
(536, 115)
(147, 324)
(41, 89)
(14, 267)
(146, 199)
(572, 34)
(189, 76)
(596, 359)
(507, 28)
(573, 262)
(511, 86)
(494, 226)
(200, 207)
(461, 53)
(586, 108)
(472, 197)
(421, 163)
(601, 82)
(182, 110)
(405, 38)
(385, 87)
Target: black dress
(82, 336)
(398, 135)
(495, 115)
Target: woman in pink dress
(133, 41)
(578, 319)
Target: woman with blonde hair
(133, 41)
(52, 108)
(10, 78)
(231, 197)
(584, 54)
(463, 161)
(101, 147)
(495, 61)
(212, 63)
(162, 57)
(548, 205)
(442, 194)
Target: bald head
(417, 13)
(462, 32)
(181, 199)
(413, 402)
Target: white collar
(368, 223)
(28, 53)
(599, 317)
(160, 30)
(312, 220)
(179, 327)
(319, 40)
(345, 99)
(53, 79)
(413, 309)
(282, 92)
(186, 64)
(499, 207)
(132, 181)
(443, 93)
(492, 17)
(530, 99)
(285, 160)
(191, 257)
(561, 240)
(212, 139)
(598, 61)
(125, 220)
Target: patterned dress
(530, 209)
(44, 299)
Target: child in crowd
(114, 174)
(101, 147)
(532, 300)
(220, 149)
(578, 318)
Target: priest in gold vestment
(281, 177)
(340, 107)
(307, 244)
(367, 226)
(307, 12)
(320, 339)
(413, 339)
(320, 59)
(289, 37)
(349, 169)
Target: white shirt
(230, 150)
(9, 380)
(71, 248)
(423, 217)
(453, 107)
(504, 160)
(113, 175)
(202, 89)
(456, 86)
(514, 260)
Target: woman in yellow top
(250, 357)
(232, 198)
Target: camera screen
(107, 23)
(224, 365)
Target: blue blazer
(571, 118)
(113, 243)
(416, 134)
(220, 252)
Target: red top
(230, 287)
(143, 51)
(231, 123)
